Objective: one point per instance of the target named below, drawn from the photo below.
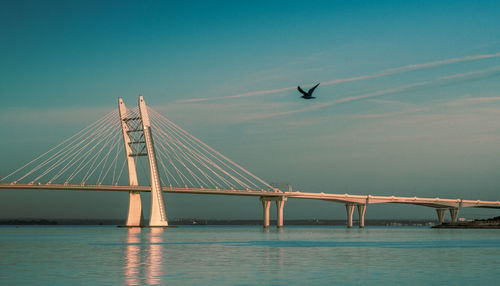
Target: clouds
(409, 87)
(226, 113)
(388, 72)
(251, 112)
(247, 94)
(46, 116)
(475, 100)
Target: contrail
(424, 84)
(363, 77)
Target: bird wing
(301, 91)
(312, 89)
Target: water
(248, 255)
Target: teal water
(209, 255)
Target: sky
(408, 105)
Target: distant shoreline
(173, 222)
(478, 223)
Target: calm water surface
(209, 255)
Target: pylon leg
(158, 216)
(135, 217)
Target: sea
(248, 255)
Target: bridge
(174, 161)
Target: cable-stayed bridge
(139, 150)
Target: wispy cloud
(383, 73)
(413, 67)
(474, 100)
(459, 102)
(387, 114)
(253, 93)
(71, 115)
(442, 62)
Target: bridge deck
(341, 198)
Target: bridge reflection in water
(155, 256)
(144, 260)
(132, 256)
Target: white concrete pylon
(135, 216)
(158, 216)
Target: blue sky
(409, 101)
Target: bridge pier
(453, 214)
(440, 214)
(350, 210)
(265, 207)
(361, 215)
(280, 204)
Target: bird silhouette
(308, 94)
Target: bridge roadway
(280, 197)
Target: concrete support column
(440, 214)
(361, 214)
(265, 207)
(280, 203)
(454, 214)
(350, 210)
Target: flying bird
(308, 94)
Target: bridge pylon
(135, 216)
(138, 142)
